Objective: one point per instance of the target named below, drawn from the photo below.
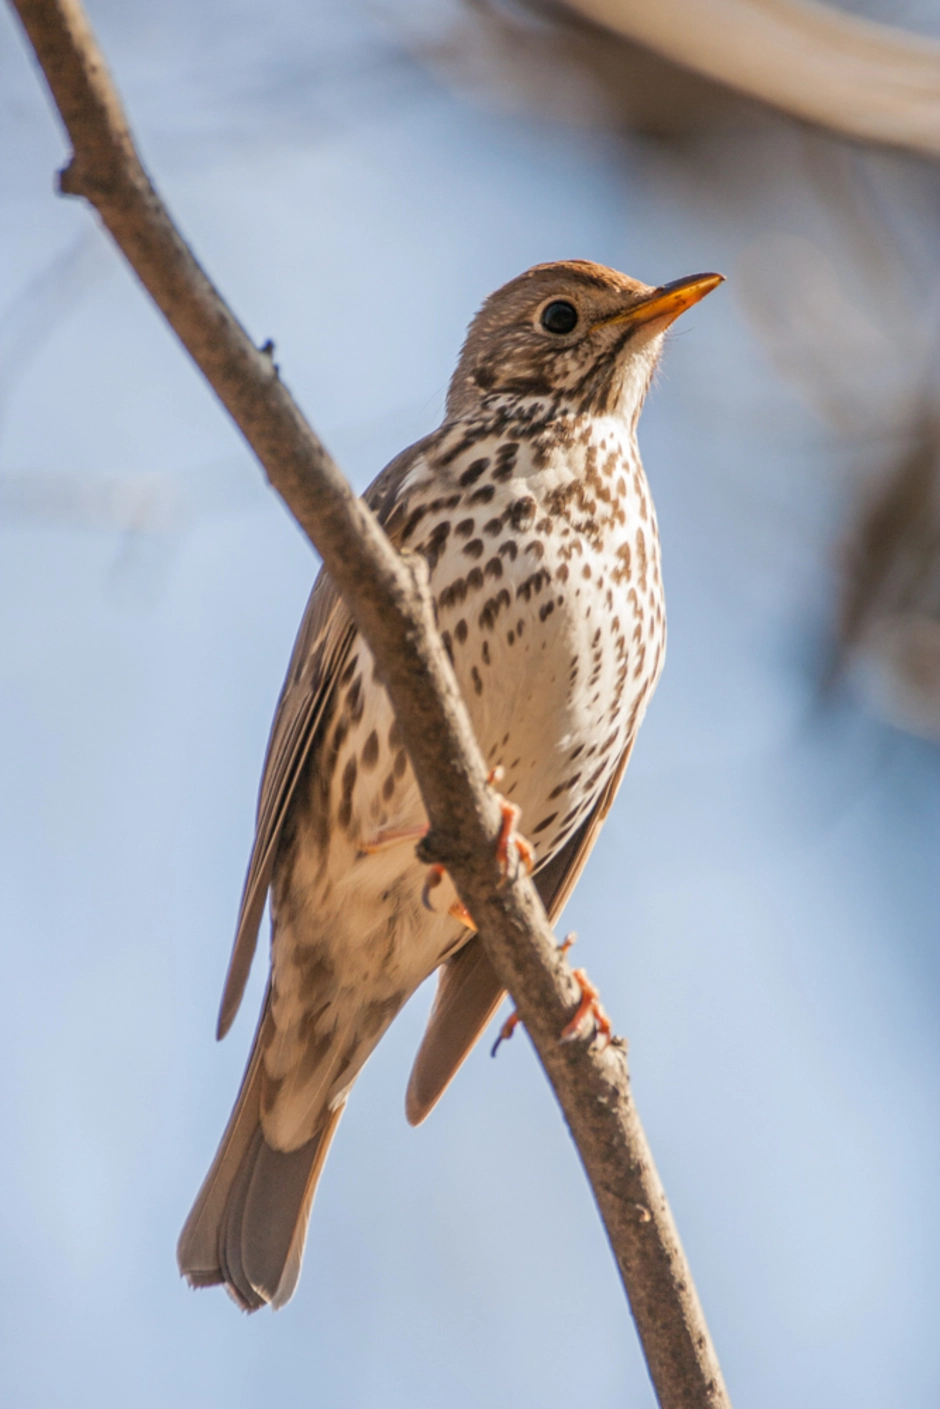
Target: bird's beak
(667, 302)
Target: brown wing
(468, 991)
(320, 651)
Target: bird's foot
(507, 839)
(390, 837)
(506, 1031)
(508, 836)
(590, 1007)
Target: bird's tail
(248, 1225)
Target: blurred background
(761, 911)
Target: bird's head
(572, 331)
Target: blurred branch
(389, 601)
(867, 80)
(855, 332)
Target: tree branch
(389, 600)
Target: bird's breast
(549, 596)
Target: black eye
(559, 317)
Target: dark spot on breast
(433, 548)
(448, 645)
(485, 653)
(388, 787)
(473, 472)
(546, 610)
(493, 526)
(545, 822)
(563, 787)
(464, 528)
(477, 681)
(475, 579)
(411, 523)
(494, 568)
(483, 495)
(460, 631)
(370, 752)
(534, 583)
(453, 594)
(474, 548)
(505, 461)
(521, 513)
(508, 550)
(510, 637)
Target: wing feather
(322, 646)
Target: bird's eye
(560, 317)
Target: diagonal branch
(389, 601)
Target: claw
(435, 874)
(513, 1021)
(460, 912)
(508, 837)
(589, 1007)
(506, 1031)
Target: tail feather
(468, 994)
(248, 1225)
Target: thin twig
(389, 601)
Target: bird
(530, 506)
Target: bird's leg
(508, 837)
(589, 1007)
(590, 1003)
(390, 837)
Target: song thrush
(531, 508)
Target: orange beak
(667, 302)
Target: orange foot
(589, 1007)
(508, 838)
(506, 1031)
(435, 875)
